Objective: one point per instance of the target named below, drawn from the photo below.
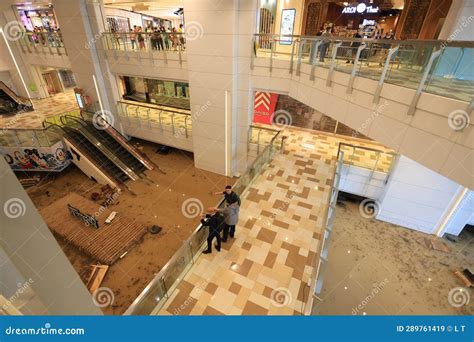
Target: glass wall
(161, 92)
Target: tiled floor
(44, 108)
(265, 269)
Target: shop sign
(360, 8)
(264, 105)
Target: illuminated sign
(360, 8)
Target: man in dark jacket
(215, 221)
(229, 195)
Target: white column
(29, 251)
(219, 36)
(459, 23)
(81, 23)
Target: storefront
(160, 92)
(38, 17)
(402, 19)
(373, 19)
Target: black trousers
(228, 230)
(211, 237)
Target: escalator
(11, 103)
(105, 150)
(93, 154)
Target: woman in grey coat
(231, 216)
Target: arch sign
(360, 8)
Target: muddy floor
(376, 268)
(157, 201)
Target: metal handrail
(429, 42)
(152, 107)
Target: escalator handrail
(100, 146)
(86, 152)
(13, 95)
(118, 137)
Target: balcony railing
(157, 292)
(176, 121)
(151, 42)
(42, 42)
(439, 67)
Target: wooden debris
(96, 277)
(466, 277)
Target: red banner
(264, 106)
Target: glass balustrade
(365, 157)
(438, 67)
(43, 42)
(144, 41)
(177, 121)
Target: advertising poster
(264, 107)
(286, 26)
(54, 158)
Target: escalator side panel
(87, 165)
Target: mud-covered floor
(377, 268)
(157, 201)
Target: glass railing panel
(452, 74)
(372, 60)
(156, 293)
(174, 271)
(345, 57)
(197, 239)
(26, 138)
(144, 41)
(408, 65)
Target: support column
(459, 23)
(30, 254)
(26, 83)
(81, 23)
(218, 47)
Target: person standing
(140, 38)
(133, 36)
(229, 195)
(166, 37)
(231, 217)
(215, 221)
(326, 39)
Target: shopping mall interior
(254, 157)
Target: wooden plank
(96, 277)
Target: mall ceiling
(159, 8)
